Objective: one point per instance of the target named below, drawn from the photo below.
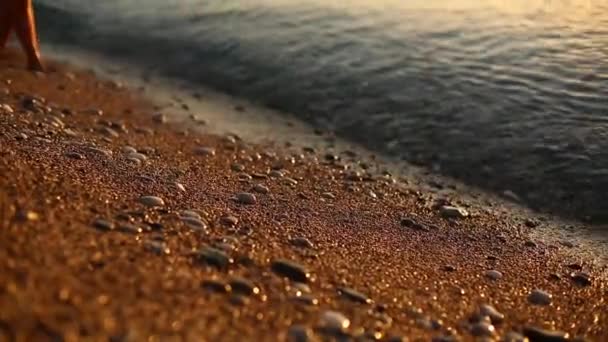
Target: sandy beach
(118, 225)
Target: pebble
(237, 167)
(539, 297)
(581, 278)
(495, 316)
(493, 274)
(205, 151)
(105, 153)
(333, 322)
(260, 188)
(530, 243)
(180, 186)
(448, 211)
(302, 242)
(449, 268)
(290, 181)
(156, 247)
(152, 201)
(246, 198)
(244, 286)
(74, 155)
(229, 220)
(129, 228)
(107, 131)
(482, 328)
(328, 195)
(536, 334)
(215, 285)
(103, 224)
(354, 295)
(276, 174)
(194, 223)
(299, 333)
(214, 257)
(26, 215)
(139, 156)
(128, 150)
(411, 223)
(291, 270)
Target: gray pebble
(539, 297)
(156, 247)
(260, 188)
(246, 198)
(299, 333)
(302, 242)
(581, 278)
(482, 328)
(333, 322)
(354, 295)
(152, 201)
(103, 224)
(243, 286)
(128, 150)
(214, 257)
(448, 211)
(229, 220)
(536, 334)
(291, 270)
(194, 223)
(204, 151)
(129, 228)
(74, 155)
(493, 274)
(237, 167)
(495, 316)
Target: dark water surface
(507, 95)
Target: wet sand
(85, 255)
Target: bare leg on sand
(19, 15)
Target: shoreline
(205, 261)
(217, 113)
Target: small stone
(411, 223)
(328, 195)
(495, 316)
(449, 268)
(229, 220)
(354, 295)
(156, 247)
(214, 257)
(581, 278)
(482, 329)
(152, 201)
(276, 174)
(291, 270)
(530, 243)
(493, 274)
(450, 212)
(194, 223)
(290, 182)
(215, 285)
(531, 223)
(204, 151)
(159, 118)
(302, 242)
(103, 224)
(536, 334)
(129, 228)
(74, 155)
(108, 132)
(128, 150)
(299, 333)
(539, 297)
(237, 167)
(179, 186)
(260, 188)
(26, 215)
(243, 286)
(246, 198)
(139, 156)
(333, 322)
